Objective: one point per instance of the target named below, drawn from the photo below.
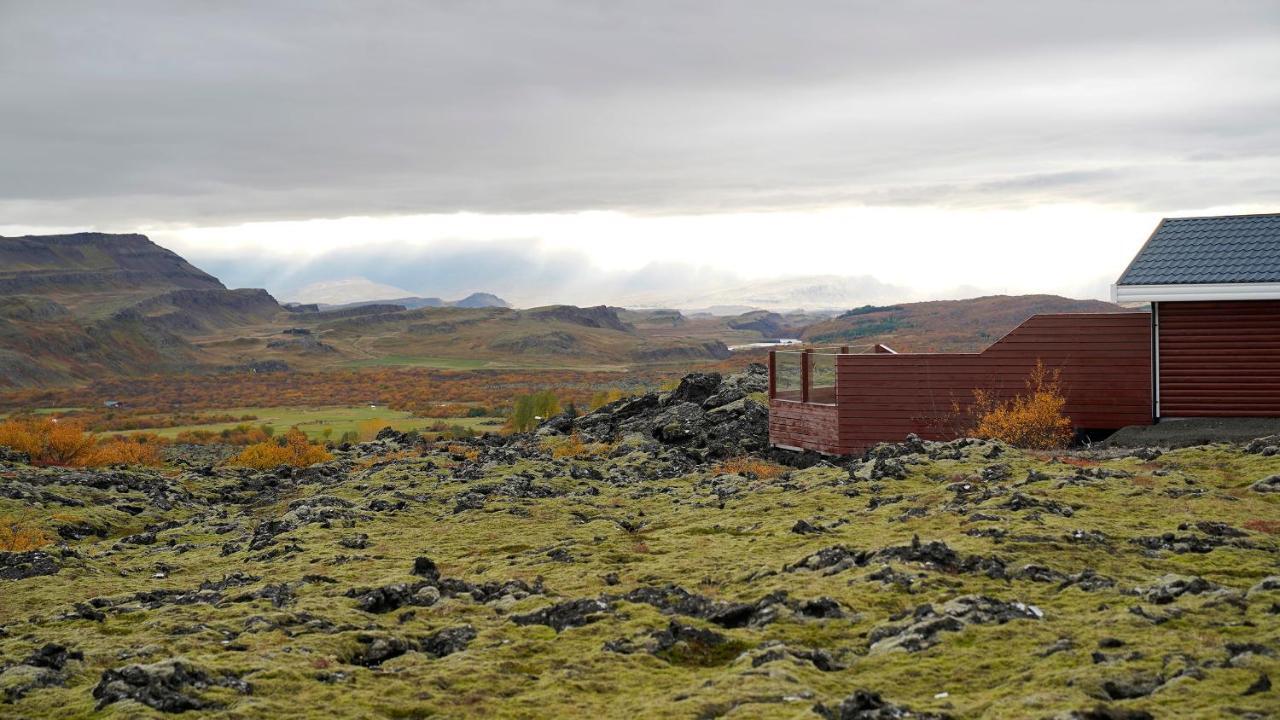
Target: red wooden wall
(1220, 359)
(1105, 360)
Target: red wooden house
(1208, 347)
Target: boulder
(167, 686)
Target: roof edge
(1222, 217)
(1189, 292)
(1138, 254)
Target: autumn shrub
(136, 449)
(17, 535)
(574, 447)
(292, 448)
(242, 434)
(1032, 420)
(47, 441)
(604, 397)
(744, 466)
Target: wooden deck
(1105, 361)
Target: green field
(314, 421)
(440, 363)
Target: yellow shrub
(140, 449)
(1033, 420)
(292, 448)
(762, 469)
(604, 397)
(48, 441)
(574, 447)
(19, 536)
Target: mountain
(353, 291)
(87, 305)
(84, 270)
(942, 325)
(481, 300)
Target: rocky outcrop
(708, 416)
(600, 316)
(169, 686)
(93, 262)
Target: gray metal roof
(1194, 251)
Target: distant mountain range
(93, 306)
(357, 291)
(474, 300)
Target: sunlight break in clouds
(1075, 250)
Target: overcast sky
(581, 151)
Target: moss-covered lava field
(516, 579)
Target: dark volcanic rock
(867, 705)
(447, 641)
(165, 686)
(1171, 587)
(45, 667)
(675, 599)
(561, 616)
(926, 622)
(21, 565)
(707, 416)
(695, 388)
(1269, 484)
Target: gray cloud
(124, 113)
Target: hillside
(943, 325)
(532, 577)
(89, 305)
(93, 306)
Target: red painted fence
(1104, 358)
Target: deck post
(773, 374)
(804, 376)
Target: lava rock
(165, 686)
(867, 705)
(568, 614)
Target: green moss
(734, 553)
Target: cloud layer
(135, 113)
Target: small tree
(529, 410)
(1034, 420)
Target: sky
(640, 152)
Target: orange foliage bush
(1033, 420)
(292, 448)
(52, 442)
(47, 441)
(19, 536)
(138, 449)
(238, 435)
(762, 469)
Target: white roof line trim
(1191, 292)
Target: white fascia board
(1188, 293)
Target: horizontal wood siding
(1105, 361)
(805, 425)
(1220, 359)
